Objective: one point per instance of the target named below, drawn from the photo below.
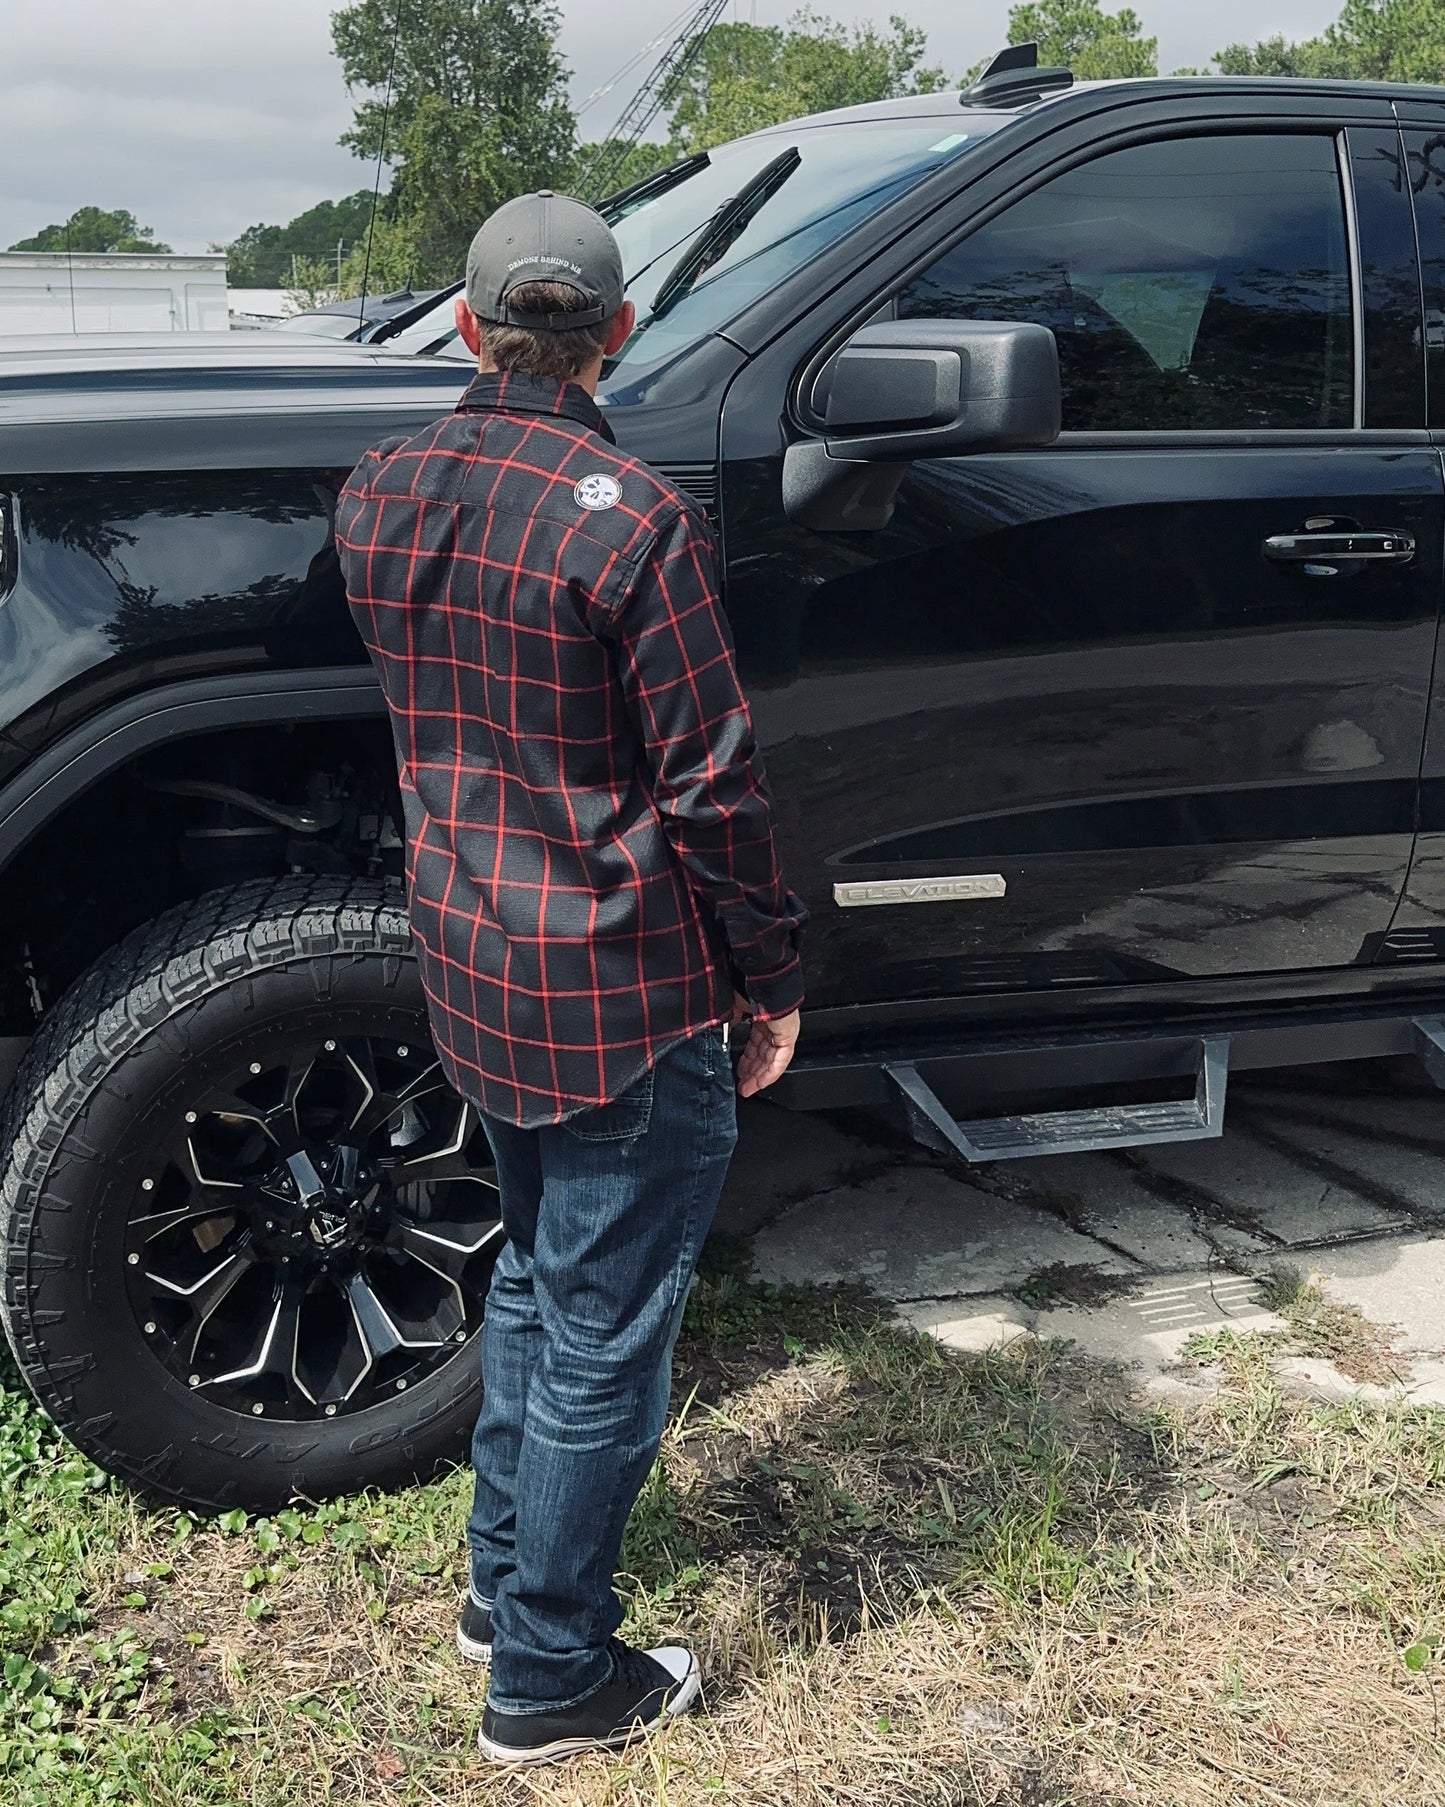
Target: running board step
(1076, 1132)
(1430, 1046)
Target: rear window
(1426, 155)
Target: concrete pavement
(1335, 1171)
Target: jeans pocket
(619, 1121)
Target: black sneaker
(648, 1687)
(474, 1632)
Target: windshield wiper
(626, 200)
(726, 225)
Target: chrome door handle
(1318, 548)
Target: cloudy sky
(204, 116)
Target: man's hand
(768, 1051)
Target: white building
(111, 292)
(251, 308)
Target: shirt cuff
(779, 994)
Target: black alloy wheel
(248, 1225)
(317, 1230)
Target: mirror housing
(934, 388)
(907, 389)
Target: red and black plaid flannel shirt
(590, 856)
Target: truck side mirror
(908, 389)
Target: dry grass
(1341, 1333)
(916, 1579)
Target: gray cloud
(205, 117)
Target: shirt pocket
(624, 1118)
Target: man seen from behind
(595, 896)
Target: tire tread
(132, 993)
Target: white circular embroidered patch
(598, 491)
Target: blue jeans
(605, 1217)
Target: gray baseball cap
(544, 237)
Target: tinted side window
(1196, 282)
(1427, 177)
(1389, 280)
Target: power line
(668, 31)
(658, 91)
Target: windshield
(841, 175)
(322, 326)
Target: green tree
(1372, 40)
(1276, 56)
(385, 259)
(749, 76)
(262, 257)
(93, 229)
(479, 112)
(1079, 35)
(643, 159)
(313, 284)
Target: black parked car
(1106, 758)
(357, 317)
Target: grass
(1317, 1325)
(915, 1577)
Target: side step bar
(1082, 1131)
(1430, 1046)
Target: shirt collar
(512, 392)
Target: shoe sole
(471, 1649)
(523, 1756)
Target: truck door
(1419, 928)
(1159, 691)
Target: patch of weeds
(1249, 1409)
(1070, 1283)
(660, 1550)
(736, 1329)
(991, 1476)
(913, 1575)
(1338, 1332)
(74, 1695)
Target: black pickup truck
(1107, 758)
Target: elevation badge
(598, 491)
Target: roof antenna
(380, 159)
(1015, 78)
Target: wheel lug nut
(331, 1411)
(190, 1116)
(461, 1336)
(257, 1409)
(147, 1185)
(195, 1380)
(331, 1047)
(255, 1066)
(132, 1260)
(150, 1329)
(403, 1051)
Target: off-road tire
(129, 1026)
